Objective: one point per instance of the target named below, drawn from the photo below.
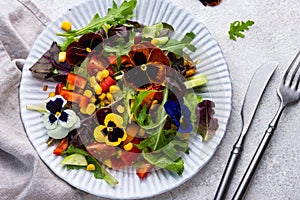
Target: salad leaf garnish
(206, 123)
(100, 172)
(49, 68)
(115, 16)
(237, 28)
(177, 46)
(161, 160)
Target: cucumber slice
(196, 81)
(75, 159)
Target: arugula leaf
(99, 172)
(115, 16)
(177, 46)
(237, 28)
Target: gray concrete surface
(275, 36)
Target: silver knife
(254, 92)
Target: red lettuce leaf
(205, 120)
(49, 68)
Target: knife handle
(228, 173)
(241, 190)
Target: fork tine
(294, 73)
(289, 69)
(297, 84)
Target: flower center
(144, 68)
(110, 129)
(88, 49)
(57, 113)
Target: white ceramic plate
(130, 186)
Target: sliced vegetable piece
(106, 83)
(74, 97)
(77, 80)
(75, 159)
(143, 170)
(61, 147)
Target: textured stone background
(275, 36)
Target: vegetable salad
(124, 96)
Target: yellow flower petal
(117, 119)
(117, 142)
(98, 135)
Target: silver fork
(288, 92)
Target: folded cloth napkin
(23, 174)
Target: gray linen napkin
(23, 174)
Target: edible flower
(180, 114)
(57, 120)
(112, 132)
(149, 65)
(78, 51)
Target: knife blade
(252, 97)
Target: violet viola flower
(59, 122)
(180, 114)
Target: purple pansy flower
(180, 114)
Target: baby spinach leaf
(161, 160)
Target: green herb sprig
(237, 28)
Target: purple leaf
(207, 124)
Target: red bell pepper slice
(106, 83)
(74, 97)
(77, 80)
(143, 170)
(61, 147)
(59, 87)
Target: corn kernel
(98, 89)
(106, 101)
(51, 94)
(90, 109)
(66, 25)
(120, 109)
(114, 88)
(102, 97)
(102, 104)
(105, 73)
(62, 56)
(93, 81)
(108, 163)
(109, 97)
(90, 167)
(88, 93)
(128, 146)
(99, 76)
(83, 110)
(93, 99)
